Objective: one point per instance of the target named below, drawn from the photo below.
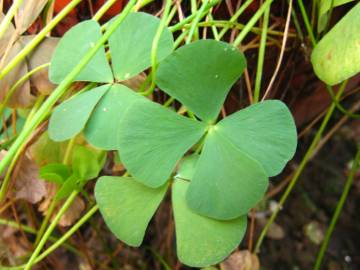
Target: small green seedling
(217, 170)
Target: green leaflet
(227, 183)
(324, 8)
(87, 162)
(200, 75)
(72, 47)
(187, 167)
(70, 117)
(153, 139)
(264, 131)
(130, 45)
(203, 241)
(127, 206)
(55, 172)
(337, 56)
(103, 127)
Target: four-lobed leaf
(127, 206)
(70, 117)
(200, 75)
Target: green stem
(193, 28)
(50, 229)
(155, 44)
(307, 22)
(61, 89)
(45, 221)
(261, 56)
(103, 9)
(300, 169)
(19, 83)
(31, 230)
(9, 16)
(252, 22)
(338, 210)
(188, 19)
(235, 17)
(37, 39)
(61, 240)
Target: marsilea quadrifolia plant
(223, 166)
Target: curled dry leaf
(241, 260)
(28, 185)
(27, 13)
(39, 56)
(22, 96)
(7, 35)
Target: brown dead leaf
(241, 260)
(27, 13)
(28, 185)
(22, 96)
(7, 35)
(41, 55)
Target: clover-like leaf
(202, 241)
(200, 75)
(55, 172)
(187, 167)
(103, 127)
(72, 48)
(127, 206)
(69, 185)
(226, 182)
(70, 117)
(130, 48)
(153, 139)
(264, 131)
(337, 56)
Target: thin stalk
(19, 83)
(61, 89)
(103, 10)
(260, 63)
(155, 44)
(9, 16)
(50, 229)
(194, 10)
(188, 19)
(31, 230)
(252, 22)
(61, 240)
(37, 39)
(45, 221)
(307, 22)
(300, 169)
(338, 210)
(235, 17)
(193, 28)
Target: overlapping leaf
(70, 117)
(227, 182)
(127, 206)
(103, 127)
(202, 241)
